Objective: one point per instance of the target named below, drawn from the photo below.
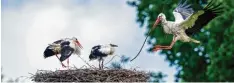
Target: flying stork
(66, 47)
(101, 51)
(187, 22)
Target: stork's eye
(160, 17)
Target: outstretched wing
(189, 23)
(66, 52)
(197, 20)
(182, 11)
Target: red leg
(68, 62)
(158, 47)
(61, 62)
(102, 63)
(99, 65)
(57, 56)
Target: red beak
(157, 21)
(78, 43)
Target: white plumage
(187, 22)
(101, 51)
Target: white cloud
(27, 30)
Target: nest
(90, 75)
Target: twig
(84, 61)
(111, 59)
(151, 29)
(142, 45)
(75, 77)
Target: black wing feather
(210, 12)
(66, 52)
(96, 51)
(48, 52)
(64, 43)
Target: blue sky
(28, 26)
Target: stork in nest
(66, 47)
(101, 51)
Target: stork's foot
(100, 68)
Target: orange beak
(157, 21)
(78, 43)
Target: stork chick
(101, 51)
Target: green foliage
(222, 64)
(116, 65)
(124, 59)
(120, 64)
(209, 61)
(157, 77)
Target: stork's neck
(112, 50)
(77, 50)
(164, 21)
(167, 26)
(74, 45)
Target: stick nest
(90, 75)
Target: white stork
(187, 22)
(101, 51)
(66, 47)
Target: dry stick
(147, 36)
(85, 61)
(143, 44)
(111, 59)
(59, 60)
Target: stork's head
(161, 17)
(74, 39)
(113, 45)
